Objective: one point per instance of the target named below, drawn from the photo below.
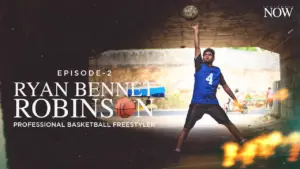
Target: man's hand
(238, 105)
(195, 26)
(230, 93)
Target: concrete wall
(3, 159)
(250, 72)
(290, 75)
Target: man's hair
(209, 50)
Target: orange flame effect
(262, 146)
(281, 95)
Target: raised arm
(196, 39)
(229, 92)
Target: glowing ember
(262, 146)
(294, 141)
(230, 154)
(281, 94)
(294, 153)
(248, 154)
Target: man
(204, 100)
(148, 101)
(269, 98)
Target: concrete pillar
(276, 104)
(290, 73)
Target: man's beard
(208, 62)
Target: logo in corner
(278, 11)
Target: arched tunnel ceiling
(158, 24)
(119, 24)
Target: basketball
(190, 12)
(125, 107)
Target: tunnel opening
(249, 72)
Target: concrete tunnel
(220, 26)
(40, 37)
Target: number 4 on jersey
(210, 78)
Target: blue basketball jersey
(206, 83)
